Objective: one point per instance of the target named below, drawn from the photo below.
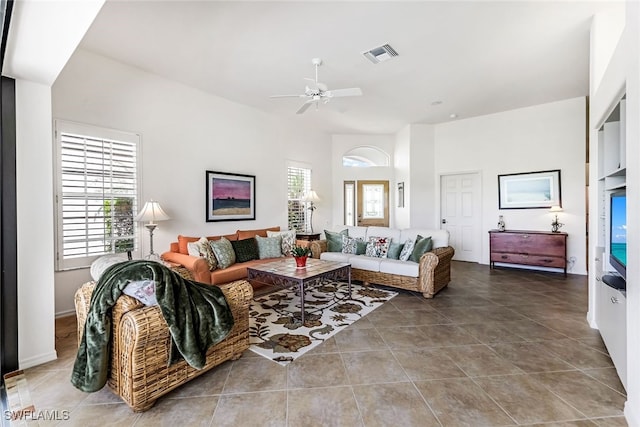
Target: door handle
(444, 221)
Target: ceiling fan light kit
(317, 92)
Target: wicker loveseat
(428, 276)
(140, 343)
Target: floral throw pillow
(224, 252)
(378, 247)
(351, 245)
(407, 250)
(142, 290)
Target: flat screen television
(618, 233)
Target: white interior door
(460, 214)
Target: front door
(460, 207)
(373, 203)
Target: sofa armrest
(196, 265)
(82, 300)
(317, 247)
(435, 270)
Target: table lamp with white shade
(312, 198)
(150, 213)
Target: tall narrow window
(298, 184)
(96, 194)
(350, 203)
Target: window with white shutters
(97, 193)
(299, 184)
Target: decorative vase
(501, 225)
(301, 261)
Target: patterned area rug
(275, 329)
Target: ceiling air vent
(380, 54)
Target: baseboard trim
(65, 313)
(631, 414)
(38, 360)
(591, 319)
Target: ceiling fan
(316, 92)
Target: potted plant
(300, 253)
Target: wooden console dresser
(536, 248)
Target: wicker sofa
(140, 344)
(428, 276)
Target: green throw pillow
(361, 247)
(224, 252)
(334, 240)
(422, 246)
(394, 250)
(245, 249)
(269, 247)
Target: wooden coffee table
(285, 274)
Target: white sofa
(428, 276)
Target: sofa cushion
(245, 249)
(394, 250)
(407, 249)
(262, 232)
(422, 246)
(440, 238)
(364, 262)
(269, 247)
(224, 252)
(234, 272)
(391, 233)
(335, 256)
(401, 268)
(334, 240)
(352, 231)
(288, 239)
(377, 247)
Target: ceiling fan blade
(352, 91)
(288, 96)
(304, 107)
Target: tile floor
(496, 348)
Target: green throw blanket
(198, 316)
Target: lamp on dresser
(151, 212)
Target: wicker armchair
(434, 271)
(140, 345)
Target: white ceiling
(475, 57)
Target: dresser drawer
(532, 244)
(539, 260)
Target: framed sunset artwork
(230, 196)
